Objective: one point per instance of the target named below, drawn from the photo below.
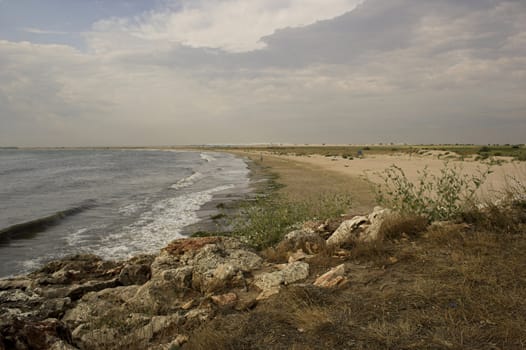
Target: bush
(435, 197)
(264, 222)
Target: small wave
(187, 181)
(158, 226)
(29, 228)
(132, 208)
(16, 170)
(207, 156)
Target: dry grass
(455, 286)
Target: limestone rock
(181, 278)
(270, 282)
(295, 271)
(376, 218)
(224, 271)
(359, 228)
(136, 271)
(347, 231)
(332, 278)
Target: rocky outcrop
(155, 301)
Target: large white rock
(359, 228)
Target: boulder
(347, 232)
(359, 228)
(376, 218)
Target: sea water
(112, 203)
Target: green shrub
(264, 222)
(435, 197)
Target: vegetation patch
(435, 197)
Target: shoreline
(215, 215)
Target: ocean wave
(187, 181)
(25, 229)
(132, 208)
(157, 227)
(207, 157)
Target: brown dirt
(305, 181)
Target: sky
(173, 72)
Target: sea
(112, 203)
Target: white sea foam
(208, 157)
(79, 238)
(132, 208)
(187, 181)
(157, 227)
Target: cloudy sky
(163, 72)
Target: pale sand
(369, 167)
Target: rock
(15, 283)
(17, 296)
(359, 228)
(305, 239)
(76, 269)
(224, 272)
(157, 325)
(376, 218)
(92, 286)
(137, 271)
(295, 271)
(347, 231)
(111, 304)
(270, 282)
(53, 308)
(298, 256)
(224, 300)
(215, 266)
(244, 260)
(181, 277)
(332, 278)
(23, 334)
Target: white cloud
(33, 30)
(363, 77)
(231, 25)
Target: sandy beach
(305, 175)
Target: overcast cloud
(240, 71)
